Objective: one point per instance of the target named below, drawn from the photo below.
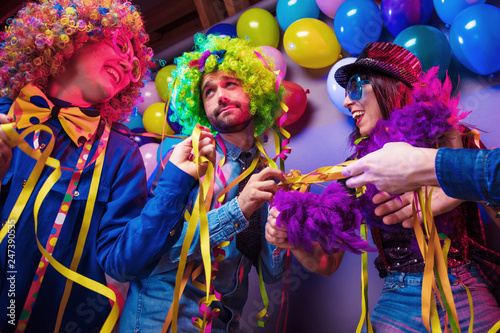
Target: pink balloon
(329, 7)
(279, 59)
(149, 152)
(150, 95)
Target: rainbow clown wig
(38, 42)
(231, 55)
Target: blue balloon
(288, 11)
(401, 14)
(357, 23)
(417, 40)
(135, 119)
(475, 40)
(165, 147)
(447, 10)
(223, 29)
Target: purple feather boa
(330, 218)
(333, 217)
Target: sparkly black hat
(387, 58)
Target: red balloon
(296, 100)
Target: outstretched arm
(132, 241)
(396, 168)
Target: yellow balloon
(311, 43)
(153, 119)
(163, 78)
(259, 26)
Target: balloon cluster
(312, 43)
(147, 121)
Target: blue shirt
(470, 174)
(149, 299)
(110, 247)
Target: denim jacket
(477, 178)
(149, 299)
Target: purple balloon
(150, 96)
(142, 140)
(175, 126)
(401, 14)
(148, 152)
(277, 56)
(329, 7)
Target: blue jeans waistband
(417, 278)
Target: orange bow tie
(32, 107)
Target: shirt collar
(233, 152)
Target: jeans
(399, 308)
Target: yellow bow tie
(32, 107)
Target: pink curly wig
(38, 42)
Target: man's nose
(223, 99)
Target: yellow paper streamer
(84, 230)
(435, 267)
(43, 158)
(365, 316)
(199, 215)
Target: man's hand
(260, 188)
(395, 211)
(274, 235)
(396, 168)
(316, 261)
(5, 150)
(182, 155)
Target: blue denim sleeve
(273, 262)
(470, 174)
(130, 250)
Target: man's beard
(230, 126)
(224, 127)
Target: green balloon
(428, 44)
(259, 26)
(162, 80)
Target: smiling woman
(93, 75)
(61, 92)
(401, 104)
(43, 61)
